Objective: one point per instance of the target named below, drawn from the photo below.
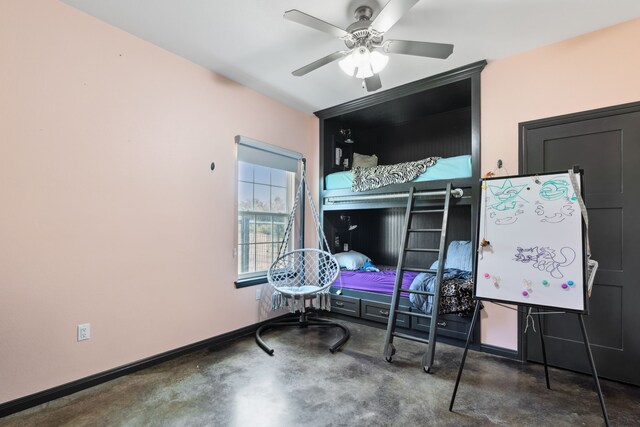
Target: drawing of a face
(554, 189)
(507, 195)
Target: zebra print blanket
(378, 176)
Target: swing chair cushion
(302, 290)
(303, 272)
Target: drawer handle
(442, 323)
(384, 312)
(339, 304)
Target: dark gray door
(606, 144)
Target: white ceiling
(250, 42)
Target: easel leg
(593, 370)
(544, 351)
(464, 355)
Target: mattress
(445, 168)
(381, 282)
(456, 294)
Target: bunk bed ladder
(389, 349)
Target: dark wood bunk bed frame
(435, 116)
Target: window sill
(245, 283)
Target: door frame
(523, 128)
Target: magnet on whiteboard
(496, 282)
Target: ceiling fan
(364, 57)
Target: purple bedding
(380, 282)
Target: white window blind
(263, 154)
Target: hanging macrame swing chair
(303, 276)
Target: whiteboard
(536, 255)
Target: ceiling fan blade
(313, 22)
(430, 50)
(373, 83)
(319, 63)
(391, 14)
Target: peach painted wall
(591, 71)
(109, 213)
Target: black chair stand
(302, 320)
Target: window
(266, 184)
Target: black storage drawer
(449, 325)
(345, 305)
(379, 312)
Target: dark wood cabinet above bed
(435, 117)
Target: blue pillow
(459, 255)
(351, 260)
(368, 266)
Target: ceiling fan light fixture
(378, 61)
(362, 58)
(347, 65)
(364, 72)
(363, 63)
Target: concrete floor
(304, 385)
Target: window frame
(260, 277)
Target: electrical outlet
(84, 331)
(258, 294)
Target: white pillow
(351, 260)
(364, 161)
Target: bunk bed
(435, 118)
(457, 286)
